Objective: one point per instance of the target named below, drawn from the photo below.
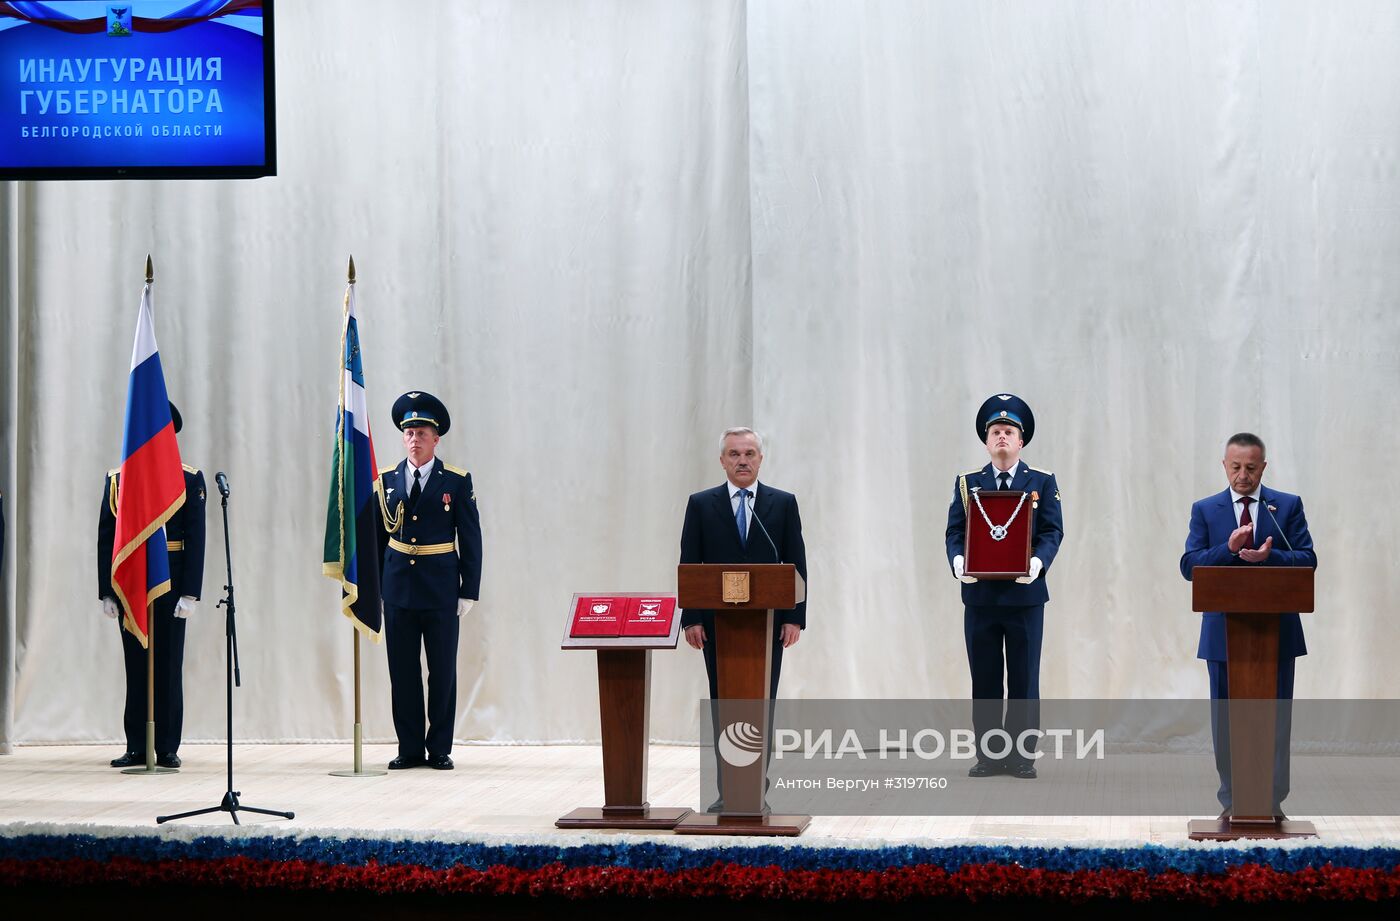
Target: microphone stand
(230, 803)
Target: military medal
(447, 502)
(999, 531)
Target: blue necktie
(741, 517)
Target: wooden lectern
(624, 705)
(743, 597)
(1252, 598)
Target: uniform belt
(421, 549)
(174, 545)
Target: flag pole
(151, 766)
(359, 769)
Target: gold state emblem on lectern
(735, 587)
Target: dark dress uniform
(184, 536)
(431, 558)
(1003, 621)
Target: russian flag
(152, 478)
(352, 541)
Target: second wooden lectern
(743, 597)
(1252, 598)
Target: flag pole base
(359, 770)
(150, 766)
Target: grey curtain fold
(602, 232)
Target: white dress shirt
(996, 473)
(1253, 507)
(409, 470)
(734, 501)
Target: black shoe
(1023, 771)
(716, 807)
(130, 759)
(984, 769)
(440, 762)
(1224, 813)
(403, 763)
(169, 759)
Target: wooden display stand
(624, 706)
(743, 598)
(1251, 598)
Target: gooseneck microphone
(754, 515)
(1277, 527)
(222, 481)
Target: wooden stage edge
(497, 790)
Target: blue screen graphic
(131, 85)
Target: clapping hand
(1250, 555)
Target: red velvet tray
(1010, 557)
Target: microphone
(222, 481)
(754, 515)
(1264, 503)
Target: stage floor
(512, 790)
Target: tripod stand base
(231, 805)
(358, 773)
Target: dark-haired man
(1226, 530)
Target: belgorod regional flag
(352, 550)
(152, 478)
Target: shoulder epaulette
(114, 471)
(388, 469)
(1038, 470)
(457, 470)
(971, 472)
(189, 469)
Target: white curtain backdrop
(603, 231)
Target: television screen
(142, 89)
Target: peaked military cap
(419, 408)
(1006, 408)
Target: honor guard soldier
(184, 538)
(1003, 620)
(431, 551)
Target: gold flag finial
(150, 270)
(351, 270)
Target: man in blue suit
(1003, 621)
(430, 546)
(1226, 530)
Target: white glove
(958, 571)
(464, 605)
(185, 606)
(1036, 567)
(109, 607)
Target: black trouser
(407, 631)
(169, 681)
(986, 630)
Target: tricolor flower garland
(650, 869)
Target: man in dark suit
(1226, 530)
(430, 547)
(184, 538)
(1003, 621)
(743, 521)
